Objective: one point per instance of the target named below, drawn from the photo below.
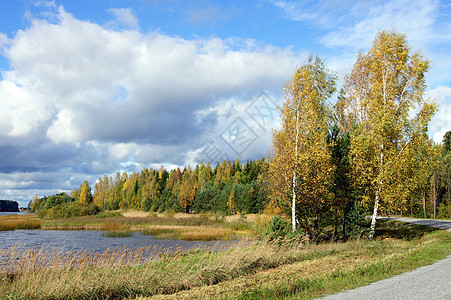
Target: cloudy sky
(89, 88)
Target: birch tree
(299, 169)
(384, 87)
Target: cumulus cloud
(441, 121)
(91, 99)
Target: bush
(68, 210)
(169, 213)
(356, 222)
(108, 214)
(277, 228)
(444, 211)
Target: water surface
(91, 240)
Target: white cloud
(22, 111)
(416, 19)
(76, 69)
(441, 121)
(125, 17)
(48, 4)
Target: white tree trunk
(377, 197)
(293, 204)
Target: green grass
(117, 234)
(245, 271)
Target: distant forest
(9, 206)
(227, 188)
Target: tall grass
(13, 222)
(190, 233)
(244, 270)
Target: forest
(330, 164)
(9, 206)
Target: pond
(92, 240)
(7, 213)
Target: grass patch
(247, 270)
(117, 234)
(13, 222)
(108, 214)
(190, 233)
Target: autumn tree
(85, 196)
(383, 87)
(231, 202)
(188, 189)
(299, 169)
(100, 197)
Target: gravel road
(428, 282)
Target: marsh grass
(193, 228)
(117, 234)
(13, 222)
(242, 270)
(191, 233)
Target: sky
(90, 88)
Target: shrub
(169, 213)
(277, 228)
(444, 211)
(68, 210)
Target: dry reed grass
(13, 222)
(191, 233)
(135, 214)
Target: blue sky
(89, 88)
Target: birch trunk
(293, 204)
(377, 197)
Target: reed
(13, 222)
(117, 234)
(245, 269)
(191, 233)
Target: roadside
(431, 281)
(440, 224)
(428, 282)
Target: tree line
(228, 188)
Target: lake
(7, 213)
(92, 240)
